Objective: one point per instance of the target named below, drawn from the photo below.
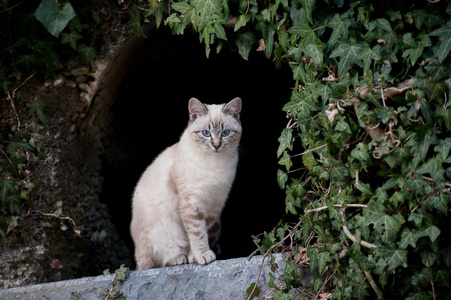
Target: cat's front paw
(179, 260)
(202, 258)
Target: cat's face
(216, 128)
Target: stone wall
(227, 279)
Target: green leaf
(243, 19)
(135, 23)
(206, 11)
(444, 33)
(424, 138)
(368, 55)
(285, 140)
(245, 41)
(308, 6)
(282, 178)
(375, 214)
(256, 292)
(433, 167)
(54, 16)
(408, 238)
(36, 108)
(323, 259)
(303, 29)
(443, 148)
(309, 160)
(71, 38)
(340, 29)
(381, 24)
(315, 51)
(286, 160)
(88, 52)
(349, 54)
(432, 232)
(393, 257)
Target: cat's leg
(196, 228)
(144, 257)
(213, 230)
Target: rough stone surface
(226, 279)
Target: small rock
(80, 71)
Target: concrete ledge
(223, 279)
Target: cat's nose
(216, 144)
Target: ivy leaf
(308, 6)
(315, 51)
(433, 167)
(88, 52)
(381, 24)
(443, 148)
(369, 54)
(374, 214)
(303, 29)
(71, 38)
(243, 19)
(206, 10)
(36, 108)
(245, 41)
(285, 140)
(54, 16)
(424, 138)
(286, 160)
(432, 232)
(340, 29)
(323, 259)
(135, 23)
(444, 33)
(408, 238)
(282, 178)
(393, 257)
(349, 54)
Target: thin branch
(431, 180)
(355, 205)
(432, 281)
(373, 285)
(13, 96)
(353, 238)
(55, 216)
(310, 150)
(15, 111)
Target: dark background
(151, 112)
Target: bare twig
(432, 281)
(55, 216)
(310, 150)
(353, 238)
(431, 180)
(13, 96)
(373, 285)
(355, 205)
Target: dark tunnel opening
(151, 112)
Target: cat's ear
(196, 109)
(233, 108)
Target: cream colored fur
(178, 201)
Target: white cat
(178, 201)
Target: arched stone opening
(150, 113)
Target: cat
(178, 200)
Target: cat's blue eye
(206, 133)
(225, 133)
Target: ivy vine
(365, 156)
